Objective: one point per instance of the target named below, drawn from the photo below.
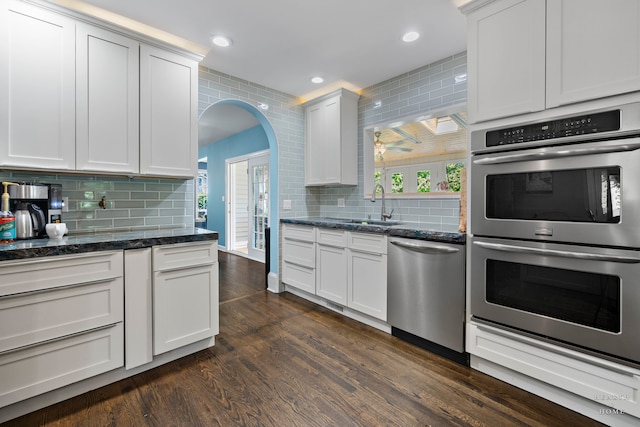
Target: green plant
(453, 176)
(397, 183)
(424, 181)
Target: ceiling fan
(380, 147)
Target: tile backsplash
(131, 203)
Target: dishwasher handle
(430, 249)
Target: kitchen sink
(373, 222)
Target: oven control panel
(581, 125)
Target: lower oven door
(586, 297)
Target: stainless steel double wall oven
(555, 224)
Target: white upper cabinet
(78, 94)
(593, 49)
(528, 55)
(37, 88)
(505, 54)
(331, 139)
(107, 108)
(168, 114)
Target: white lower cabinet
(602, 382)
(367, 284)
(61, 321)
(349, 268)
(185, 294)
(331, 265)
(32, 370)
(299, 257)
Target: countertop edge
(107, 242)
(404, 230)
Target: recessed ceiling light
(317, 80)
(411, 36)
(221, 41)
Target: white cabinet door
(593, 49)
(331, 140)
(185, 294)
(37, 88)
(314, 154)
(168, 114)
(185, 307)
(367, 284)
(506, 59)
(107, 106)
(331, 273)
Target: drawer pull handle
(64, 337)
(57, 288)
(186, 267)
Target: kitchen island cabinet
(185, 294)
(67, 308)
(60, 322)
(530, 55)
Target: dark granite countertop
(410, 230)
(75, 244)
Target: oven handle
(552, 252)
(557, 153)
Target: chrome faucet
(383, 214)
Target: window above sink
(417, 157)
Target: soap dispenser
(7, 219)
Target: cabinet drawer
(301, 277)
(170, 257)
(35, 370)
(50, 272)
(30, 318)
(298, 232)
(302, 253)
(366, 242)
(337, 238)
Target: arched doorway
(261, 121)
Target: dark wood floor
(282, 361)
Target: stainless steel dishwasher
(426, 295)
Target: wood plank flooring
(282, 361)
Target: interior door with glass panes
(258, 205)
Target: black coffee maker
(42, 201)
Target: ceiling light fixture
(263, 106)
(411, 36)
(378, 147)
(317, 80)
(221, 41)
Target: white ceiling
(281, 44)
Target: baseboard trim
(273, 283)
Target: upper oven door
(587, 193)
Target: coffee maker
(43, 202)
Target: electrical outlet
(65, 204)
(341, 202)
(286, 205)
